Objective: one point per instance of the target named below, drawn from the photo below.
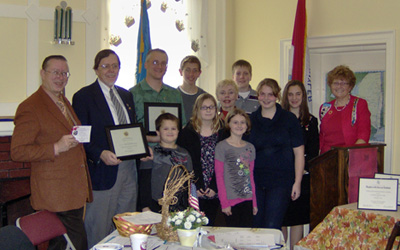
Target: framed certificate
(128, 141)
(378, 194)
(390, 176)
(153, 109)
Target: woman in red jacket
(345, 120)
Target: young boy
(190, 70)
(167, 153)
(247, 100)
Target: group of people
(248, 153)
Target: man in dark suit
(42, 135)
(114, 181)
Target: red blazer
(58, 183)
(353, 123)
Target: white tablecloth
(154, 241)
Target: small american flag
(193, 200)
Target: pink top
(344, 127)
(225, 202)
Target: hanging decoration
(115, 40)
(195, 45)
(164, 7)
(179, 25)
(129, 21)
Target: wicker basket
(126, 228)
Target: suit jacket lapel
(102, 103)
(53, 109)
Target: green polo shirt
(142, 92)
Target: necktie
(63, 109)
(118, 108)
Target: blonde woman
(227, 93)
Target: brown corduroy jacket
(58, 183)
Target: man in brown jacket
(42, 135)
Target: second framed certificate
(377, 194)
(153, 109)
(128, 141)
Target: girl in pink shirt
(234, 165)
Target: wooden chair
(393, 235)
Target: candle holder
(63, 25)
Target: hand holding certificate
(81, 133)
(127, 141)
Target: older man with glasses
(42, 136)
(103, 104)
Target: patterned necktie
(63, 109)
(118, 108)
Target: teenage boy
(154, 173)
(247, 100)
(190, 70)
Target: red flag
(299, 41)
(301, 59)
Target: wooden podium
(329, 179)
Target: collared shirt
(142, 92)
(106, 93)
(248, 104)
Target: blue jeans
(272, 204)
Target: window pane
(163, 33)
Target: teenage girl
(199, 138)
(298, 213)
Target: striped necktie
(118, 108)
(61, 104)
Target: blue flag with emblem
(143, 43)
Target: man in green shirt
(152, 88)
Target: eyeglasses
(56, 73)
(109, 66)
(207, 107)
(340, 83)
(162, 64)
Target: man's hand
(109, 158)
(64, 144)
(148, 158)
